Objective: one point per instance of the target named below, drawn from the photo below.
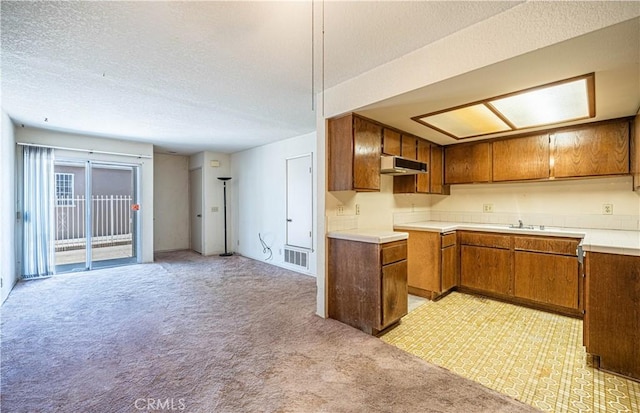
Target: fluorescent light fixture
(467, 121)
(563, 101)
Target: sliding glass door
(96, 215)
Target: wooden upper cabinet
(409, 147)
(635, 153)
(467, 163)
(391, 144)
(436, 171)
(423, 181)
(593, 150)
(521, 158)
(354, 154)
(366, 160)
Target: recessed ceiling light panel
(553, 103)
(467, 121)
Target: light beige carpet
(207, 334)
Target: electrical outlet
(487, 208)
(357, 209)
(340, 209)
(607, 209)
(214, 209)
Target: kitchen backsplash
(619, 222)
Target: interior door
(300, 201)
(195, 189)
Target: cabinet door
(436, 170)
(424, 261)
(366, 157)
(485, 269)
(546, 278)
(394, 293)
(592, 151)
(424, 155)
(340, 162)
(635, 153)
(409, 147)
(613, 313)
(391, 142)
(449, 268)
(521, 158)
(467, 163)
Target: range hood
(397, 165)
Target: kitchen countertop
(595, 240)
(371, 236)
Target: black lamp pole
(224, 180)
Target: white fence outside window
(112, 222)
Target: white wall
(212, 198)
(8, 268)
(572, 203)
(260, 195)
(170, 202)
(84, 142)
(507, 35)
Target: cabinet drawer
(393, 252)
(485, 240)
(448, 240)
(548, 245)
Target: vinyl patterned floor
(530, 355)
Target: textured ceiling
(193, 76)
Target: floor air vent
(297, 258)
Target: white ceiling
(227, 76)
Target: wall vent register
(296, 257)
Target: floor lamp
(224, 181)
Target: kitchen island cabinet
(354, 154)
(367, 283)
(612, 312)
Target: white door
(300, 202)
(195, 190)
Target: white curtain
(38, 219)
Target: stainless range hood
(397, 165)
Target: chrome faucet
(520, 224)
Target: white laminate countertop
(372, 236)
(595, 240)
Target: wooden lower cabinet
(547, 278)
(612, 312)
(485, 269)
(367, 283)
(536, 271)
(433, 263)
